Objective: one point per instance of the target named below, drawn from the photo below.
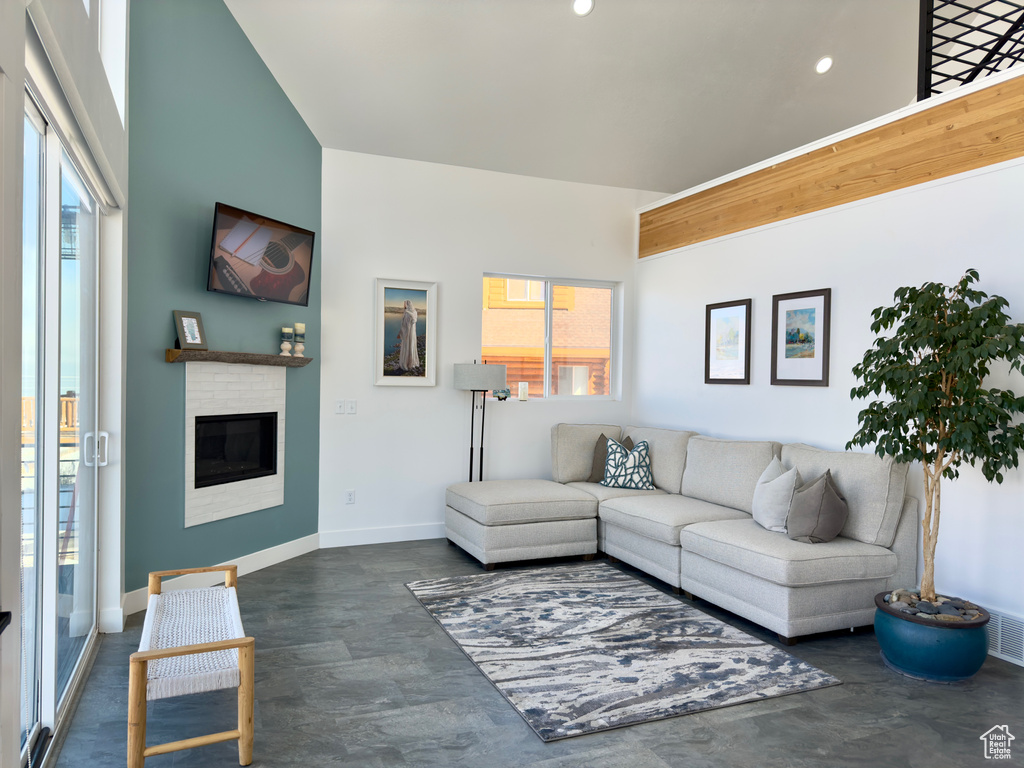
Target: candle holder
(300, 339)
(286, 342)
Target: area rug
(585, 648)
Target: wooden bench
(192, 642)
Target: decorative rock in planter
(942, 642)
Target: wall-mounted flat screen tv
(259, 257)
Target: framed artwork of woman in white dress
(406, 332)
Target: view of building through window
(515, 325)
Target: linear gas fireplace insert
(235, 446)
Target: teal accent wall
(207, 123)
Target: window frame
(615, 324)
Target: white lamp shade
(479, 376)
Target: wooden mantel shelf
(240, 358)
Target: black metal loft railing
(962, 40)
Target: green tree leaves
(931, 370)
(929, 367)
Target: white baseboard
(137, 600)
(354, 537)
(112, 619)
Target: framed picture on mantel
(189, 326)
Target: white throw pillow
(773, 496)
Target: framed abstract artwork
(800, 338)
(727, 343)
(406, 322)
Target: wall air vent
(1006, 637)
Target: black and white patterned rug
(584, 648)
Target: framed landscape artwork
(727, 343)
(800, 338)
(406, 322)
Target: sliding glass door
(31, 437)
(60, 443)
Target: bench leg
(246, 690)
(137, 714)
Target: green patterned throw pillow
(628, 469)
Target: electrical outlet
(350, 407)
(339, 406)
(350, 497)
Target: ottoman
(498, 521)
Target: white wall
(400, 219)
(863, 252)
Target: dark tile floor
(351, 671)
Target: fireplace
(250, 396)
(235, 446)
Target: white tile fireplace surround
(213, 389)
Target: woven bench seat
(190, 617)
(192, 642)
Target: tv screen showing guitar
(259, 257)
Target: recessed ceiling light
(582, 7)
(824, 65)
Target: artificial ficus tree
(930, 371)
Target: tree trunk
(930, 528)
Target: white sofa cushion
(504, 502)
(662, 517)
(572, 449)
(667, 448)
(746, 546)
(726, 471)
(603, 492)
(874, 488)
(773, 496)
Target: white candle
(524, 390)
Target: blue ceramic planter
(928, 650)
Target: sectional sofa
(695, 531)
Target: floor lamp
(478, 377)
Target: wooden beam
(978, 129)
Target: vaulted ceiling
(647, 94)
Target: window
(113, 47)
(555, 335)
(524, 290)
(574, 379)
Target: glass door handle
(89, 457)
(102, 449)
